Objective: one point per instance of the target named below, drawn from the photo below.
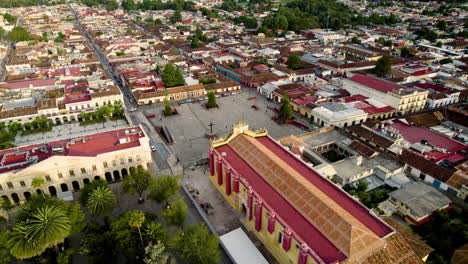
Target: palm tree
(48, 226)
(137, 218)
(20, 244)
(101, 201)
(6, 205)
(38, 183)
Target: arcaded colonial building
(66, 165)
(300, 216)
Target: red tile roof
(415, 134)
(311, 236)
(91, 146)
(374, 83)
(316, 240)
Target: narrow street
(138, 118)
(11, 48)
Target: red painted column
(286, 241)
(236, 184)
(220, 172)
(302, 255)
(228, 181)
(250, 205)
(212, 163)
(258, 216)
(271, 222)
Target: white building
(405, 100)
(69, 164)
(337, 114)
(439, 100)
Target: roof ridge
(313, 204)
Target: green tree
(211, 99)
(176, 213)
(137, 182)
(104, 111)
(101, 201)
(196, 245)
(2, 32)
(405, 52)
(176, 17)
(137, 218)
(285, 111)
(88, 189)
(20, 244)
(18, 34)
(128, 5)
(5, 256)
(97, 243)
(383, 66)
(39, 183)
(64, 257)
(153, 232)
(294, 62)
(195, 43)
(163, 188)
(198, 33)
(6, 205)
(355, 40)
(9, 18)
(45, 227)
(172, 76)
(167, 106)
(441, 24)
(112, 5)
(445, 61)
(155, 254)
(45, 37)
(127, 240)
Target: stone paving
(223, 217)
(69, 130)
(190, 127)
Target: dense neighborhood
(225, 131)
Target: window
(422, 176)
(22, 183)
(104, 164)
(47, 177)
(83, 170)
(138, 158)
(122, 161)
(114, 163)
(130, 159)
(94, 168)
(10, 185)
(280, 237)
(60, 175)
(72, 173)
(1, 188)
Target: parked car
(153, 148)
(150, 116)
(255, 107)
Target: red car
(150, 116)
(255, 107)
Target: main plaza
(191, 126)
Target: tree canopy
(172, 76)
(211, 99)
(137, 182)
(101, 201)
(196, 245)
(383, 66)
(285, 111)
(18, 34)
(162, 188)
(294, 62)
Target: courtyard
(190, 127)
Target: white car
(153, 148)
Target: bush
(94, 121)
